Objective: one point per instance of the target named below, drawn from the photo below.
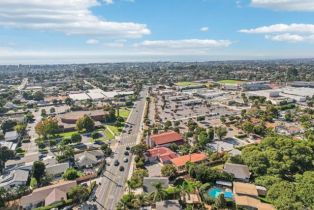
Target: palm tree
(159, 193)
(185, 190)
(124, 202)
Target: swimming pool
(215, 192)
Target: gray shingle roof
(168, 204)
(238, 170)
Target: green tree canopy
(71, 174)
(38, 170)
(168, 170)
(86, 123)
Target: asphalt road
(113, 181)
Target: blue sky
(81, 31)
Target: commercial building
(288, 94)
(302, 84)
(98, 94)
(210, 94)
(257, 85)
(192, 102)
(165, 139)
(67, 121)
(72, 117)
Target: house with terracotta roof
(246, 197)
(165, 139)
(180, 161)
(47, 195)
(162, 154)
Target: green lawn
(108, 134)
(187, 83)
(230, 82)
(67, 134)
(124, 112)
(218, 167)
(116, 130)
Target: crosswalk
(127, 144)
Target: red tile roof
(163, 153)
(166, 138)
(194, 158)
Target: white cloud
(184, 44)
(288, 5)
(92, 41)
(67, 16)
(114, 45)
(285, 32)
(293, 38)
(108, 1)
(286, 37)
(281, 28)
(204, 29)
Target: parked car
(127, 148)
(116, 163)
(121, 168)
(126, 153)
(125, 160)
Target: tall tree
(221, 132)
(85, 122)
(38, 170)
(159, 193)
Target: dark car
(99, 142)
(116, 163)
(126, 153)
(125, 160)
(41, 156)
(121, 168)
(127, 148)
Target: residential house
(168, 205)
(89, 159)
(11, 136)
(180, 161)
(246, 197)
(239, 171)
(148, 183)
(8, 144)
(27, 161)
(288, 130)
(47, 195)
(165, 139)
(14, 178)
(57, 170)
(163, 154)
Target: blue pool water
(215, 191)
